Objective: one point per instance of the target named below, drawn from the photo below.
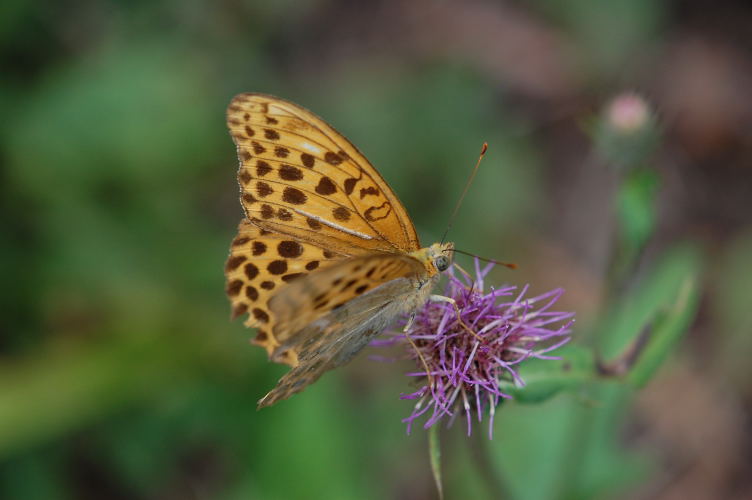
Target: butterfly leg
(405, 330)
(450, 300)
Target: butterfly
(326, 256)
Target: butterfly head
(436, 258)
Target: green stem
(434, 453)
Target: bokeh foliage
(120, 374)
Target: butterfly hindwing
(333, 339)
(260, 264)
(305, 300)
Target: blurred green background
(121, 376)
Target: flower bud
(628, 113)
(626, 133)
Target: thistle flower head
(461, 360)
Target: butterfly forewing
(301, 177)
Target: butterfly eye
(441, 263)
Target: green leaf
(434, 452)
(645, 327)
(667, 330)
(544, 378)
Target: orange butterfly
(327, 256)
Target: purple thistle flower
(467, 360)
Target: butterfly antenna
(464, 192)
(510, 265)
